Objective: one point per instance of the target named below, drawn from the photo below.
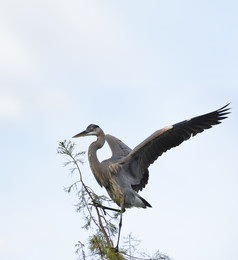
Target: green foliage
(90, 206)
(99, 217)
(98, 246)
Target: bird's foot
(115, 249)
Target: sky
(131, 67)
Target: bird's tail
(146, 203)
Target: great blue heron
(126, 172)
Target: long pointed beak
(81, 134)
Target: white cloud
(80, 24)
(16, 59)
(10, 105)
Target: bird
(126, 172)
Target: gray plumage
(126, 172)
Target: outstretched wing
(162, 140)
(118, 148)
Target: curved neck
(93, 160)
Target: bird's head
(90, 130)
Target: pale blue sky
(131, 67)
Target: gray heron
(126, 172)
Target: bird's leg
(120, 225)
(104, 207)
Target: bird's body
(111, 173)
(126, 172)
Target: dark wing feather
(162, 140)
(142, 183)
